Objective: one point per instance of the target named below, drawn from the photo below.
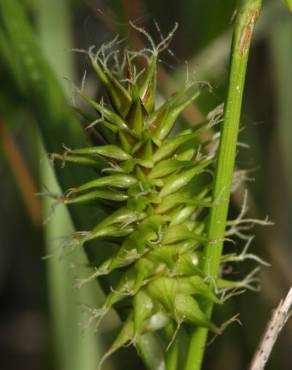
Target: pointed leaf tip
(148, 89)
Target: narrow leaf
(97, 194)
(117, 181)
(110, 151)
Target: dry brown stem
(271, 333)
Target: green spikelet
(158, 185)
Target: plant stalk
(247, 14)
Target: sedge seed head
(157, 186)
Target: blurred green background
(42, 316)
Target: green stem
(172, 357)
(244, 25)
(173, 351)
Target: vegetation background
(41, 313)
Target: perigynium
(156, 185)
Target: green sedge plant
(165, 198)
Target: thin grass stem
(248, 11)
